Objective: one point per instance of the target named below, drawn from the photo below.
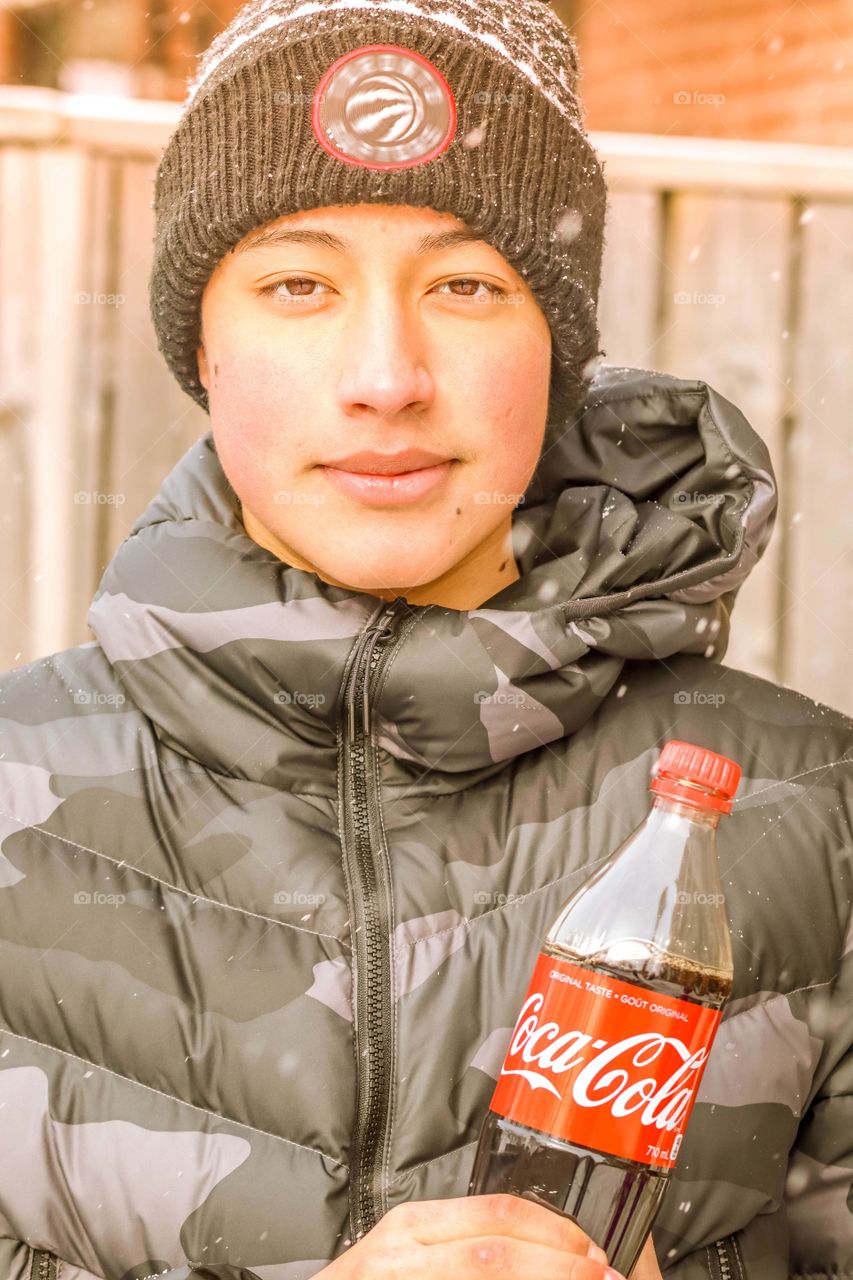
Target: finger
(647, 1267)
(503, 1258)
(434, 1221)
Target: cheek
(255, 378)
(510, 398)
(259, 394)
(510, 465)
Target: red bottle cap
(685, 770)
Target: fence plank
(17, 378)
(723, 320)
(820, 594)
(55, 446)
(665, 162)
(627, 304)
(97, 320)
(153, 421)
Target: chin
(384, 574)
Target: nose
(384, 370)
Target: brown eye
(471, 284)
(302, 290)
(303, 286)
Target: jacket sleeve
(20, 1261)
(819, 1185)
(809, 1234)
(758, 1252)
(15, 1260)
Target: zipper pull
(351, 683)
(380, 629)
(382, 633)
(350, 690)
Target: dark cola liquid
(614, 1201)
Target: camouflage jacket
(277, 858)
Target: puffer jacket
(277, 860)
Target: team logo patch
(384, 107)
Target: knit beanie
(464, 106)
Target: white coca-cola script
(612, 1075)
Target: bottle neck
(708, 818)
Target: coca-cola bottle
(606, 1056)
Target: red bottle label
(603, 1063)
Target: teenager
(378, 677)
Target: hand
(646, 1266)
(506, 1236)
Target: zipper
(726, 1258)
(374, 1024)
(358, 670)
(45, 1265)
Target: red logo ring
(383, 106)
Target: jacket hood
(638, 528)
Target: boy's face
(312, 352)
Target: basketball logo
(384, 107)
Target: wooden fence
(726, 261)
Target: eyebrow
(430, 243)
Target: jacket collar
(638, 528)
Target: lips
(371, 462)
(393, 488)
